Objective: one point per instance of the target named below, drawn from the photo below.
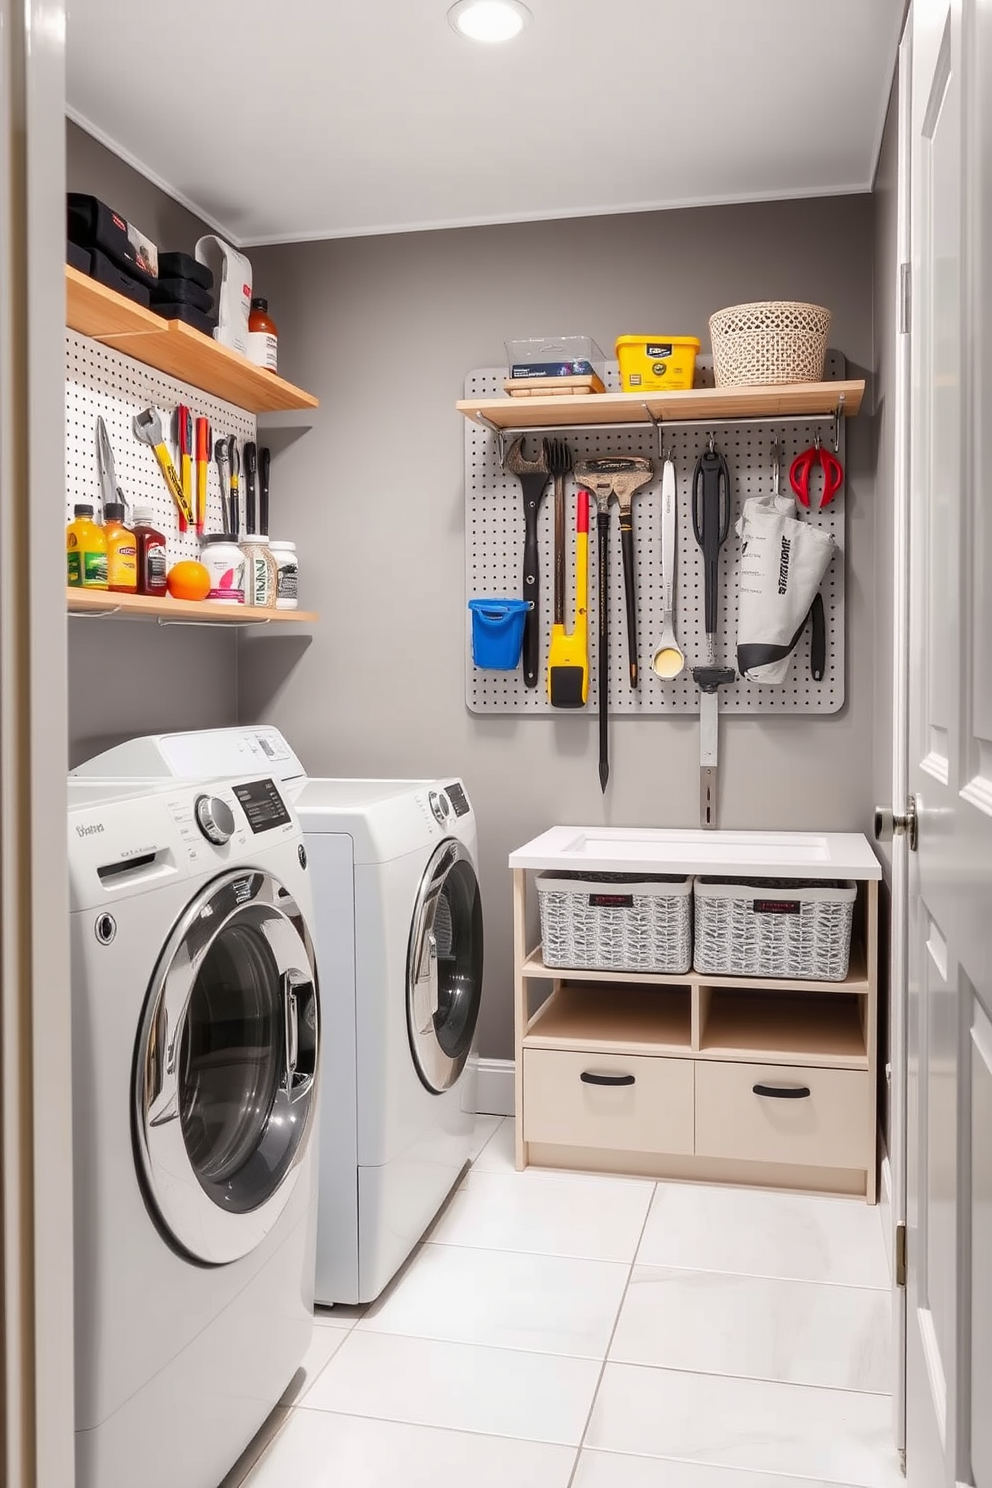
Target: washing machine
(399, 936)
(196, 1050)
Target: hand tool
(202, 464)
(622, 476)
(533, 476)
(668, 659)
(109, 489)
(250, 518)
(601, 495)
(802, 468)
(818, 640)
(708, 680)
(264, 458)
(711, 523)
(234, 455)
(223, 458)
(558, 458)
(568, 662)
(148, 428)
(183, 438)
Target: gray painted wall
(131, 677)
(383, 330)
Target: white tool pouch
(232, 290)
(782, 564)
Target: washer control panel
(215, 819)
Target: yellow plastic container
(656, 364)
(85, 551)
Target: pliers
(802, 468)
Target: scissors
(802, 468)
(711, 523)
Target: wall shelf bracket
(838, 415)
(495, 429)
(659, 429)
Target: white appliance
(398, 928)
(195, 1064)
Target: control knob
(215, 819)
(440, 806)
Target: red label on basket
(775, 906)
(611, 901)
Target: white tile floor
(570, 1331)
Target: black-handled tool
(250, 472)
(603, 530)
(533, 476)
(711, 523)
(263, 500)
(629, 589)
(818, 641)
(588, 1078)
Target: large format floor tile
(486, 1128)
(548, 1213)
(500, 1392)
(503, 1299)
(323, 1346)
(760, 1233)
(835, 1435)
(609, 1470)
(320, 1450)
(802, 1332)
(498, 1155)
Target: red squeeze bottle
(152, 560)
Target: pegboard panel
(494, 559)
(102, 381)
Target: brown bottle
(263, 338)
(152, 562)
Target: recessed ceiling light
(489, 20)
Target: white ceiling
(295, 119)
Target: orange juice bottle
(85, 551)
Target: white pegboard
(102, 381)
(494, 559)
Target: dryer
(399, 936)
(196, 1049)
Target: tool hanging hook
(838, 415)
(712, 445)
(659, 429)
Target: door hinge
(900, 1255)
(905, 298)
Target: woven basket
(616, 921)
(769, 341)
(773, 927)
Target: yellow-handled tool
(148, 428)
(568, 661)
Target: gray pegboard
(494, 556)
(102, 381)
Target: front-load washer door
(444, 967)
(225, 1076)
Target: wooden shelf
(856, 980)
(763, 1029)
(693, 405)
(175, 348)
(630, 1020)
(146, 607)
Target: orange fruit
(188, 580)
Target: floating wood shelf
(175, 348)
(695, 405)
(146, 607)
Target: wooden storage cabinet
(726, 1079)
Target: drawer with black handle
(784, 1113)
(627, 1103)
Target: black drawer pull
(783, 1092)
(588, 1078)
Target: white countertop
(663, 850)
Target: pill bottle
(85, 551)
(122, 550)
(225, 562)
(263, 338)
(151, 554)
(286, 573)
(260, 571)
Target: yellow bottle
(122, 550)
(85, 551)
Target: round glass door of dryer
(444, 967)
(226, 1067)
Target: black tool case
(186, 313)
(185, 266)
(92, 224)
(104, 272)
(182, 292)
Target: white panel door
(950, 747)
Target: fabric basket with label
(616, 921)
(774, 927)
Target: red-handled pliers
(802, 468)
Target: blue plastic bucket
(498, 632)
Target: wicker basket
(769, 341)
(616, 922)
(773, 927)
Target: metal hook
(816, 441)
(500, 434)
(712, 445)
(838, 415)
(659, 429)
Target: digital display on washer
(458, 799)
(263, 805)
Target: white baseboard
(495, 1087)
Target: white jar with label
(225, 563)
(286, 574)
(260, 571)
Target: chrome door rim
(190, 1215)
(437, 1070)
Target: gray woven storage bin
(616, 921)
(773, 927)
